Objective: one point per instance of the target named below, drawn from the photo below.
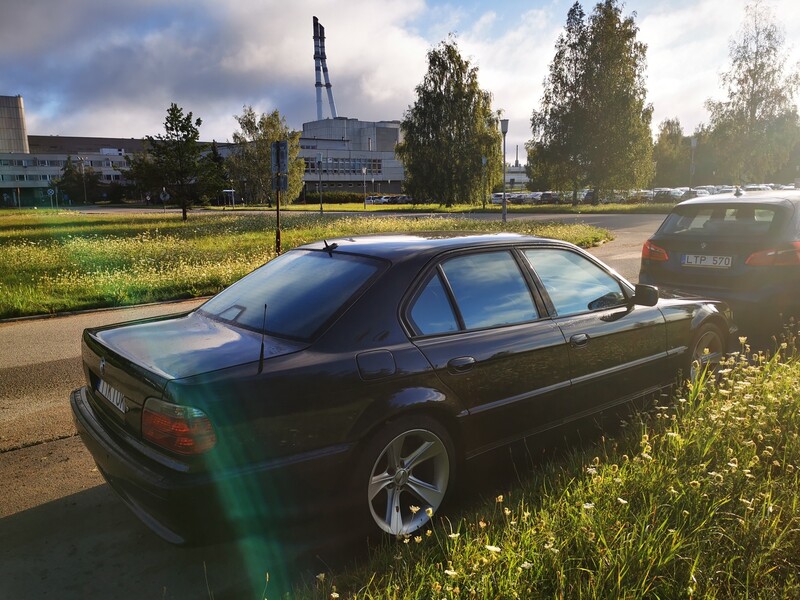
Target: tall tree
(146, 179)
(556, 152)
(251, 164)
(176, 156)
(756, 128)
(618, 142)
(449, 131)
(671, 155)
(214, 177)
(79, 183)
(593, 126)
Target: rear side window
(432, 312)
(488, 288)
(721, 220)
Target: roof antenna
(263, 333)
(330, 247)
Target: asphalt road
(64, 534)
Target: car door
(482, 329)
(617, 350)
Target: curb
(94, 310)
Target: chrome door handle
(578, 340)
(460, 364)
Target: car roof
(396, 246)
(760, 197)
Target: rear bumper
(774, 298)
(183, 506)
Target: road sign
(50, 192)
(280, 157)
(280, 183)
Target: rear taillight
(776, 257)
(181, 429)
(652, 252)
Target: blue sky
(111, 68)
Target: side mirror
(645, 295)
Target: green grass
(696, 498)
(62, 261)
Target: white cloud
(87, 67)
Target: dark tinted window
(302, 290)
(733, 220)
(432, 312)
(489, 289)
(574, 283)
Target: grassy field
(63, 261)
(696, 498)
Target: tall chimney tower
(321, 69)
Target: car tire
(706, 351)
(406, 471)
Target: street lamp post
(319, 170)
(364, 178)
(504, 130)
(483, 181)
(83, 177)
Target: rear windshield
(302, 290)
(730, 220)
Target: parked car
(641, 196)
(366, 372)
(533, 198)
(668, 195)
(694, 193)
(550, 198)
(744, 250)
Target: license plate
(113, 395)
(704, 260)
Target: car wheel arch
(369, 424)
(710, 331)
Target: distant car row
(586, 196)
(527, 198)
(388, 200)
(661, 195)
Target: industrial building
(341, 154)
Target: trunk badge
(703, 245)
(102, 366)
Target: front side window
(574, 283)
(302, 290)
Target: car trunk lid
(126, 364)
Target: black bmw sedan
(367, 372)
